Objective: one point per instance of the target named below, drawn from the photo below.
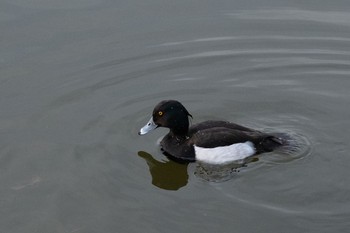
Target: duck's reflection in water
(222, 172)
(171, 175)
(167, 175)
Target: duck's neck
(181, 130)
(179, 125)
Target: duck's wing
(219, 136)
(215, 124)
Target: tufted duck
(213, 142)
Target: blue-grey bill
(148, 127)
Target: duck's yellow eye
(160, 113)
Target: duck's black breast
(211, 134)
(178, 147)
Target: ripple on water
(324, 17)
(298, 147)
(176, 62)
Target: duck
(211, 141)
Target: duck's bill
(148, 127)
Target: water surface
(79, 78)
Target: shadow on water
(173, 175)
(222, 172)
(168, 175)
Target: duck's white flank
(225, 154)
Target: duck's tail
(276, 141)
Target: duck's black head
(170, 114)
